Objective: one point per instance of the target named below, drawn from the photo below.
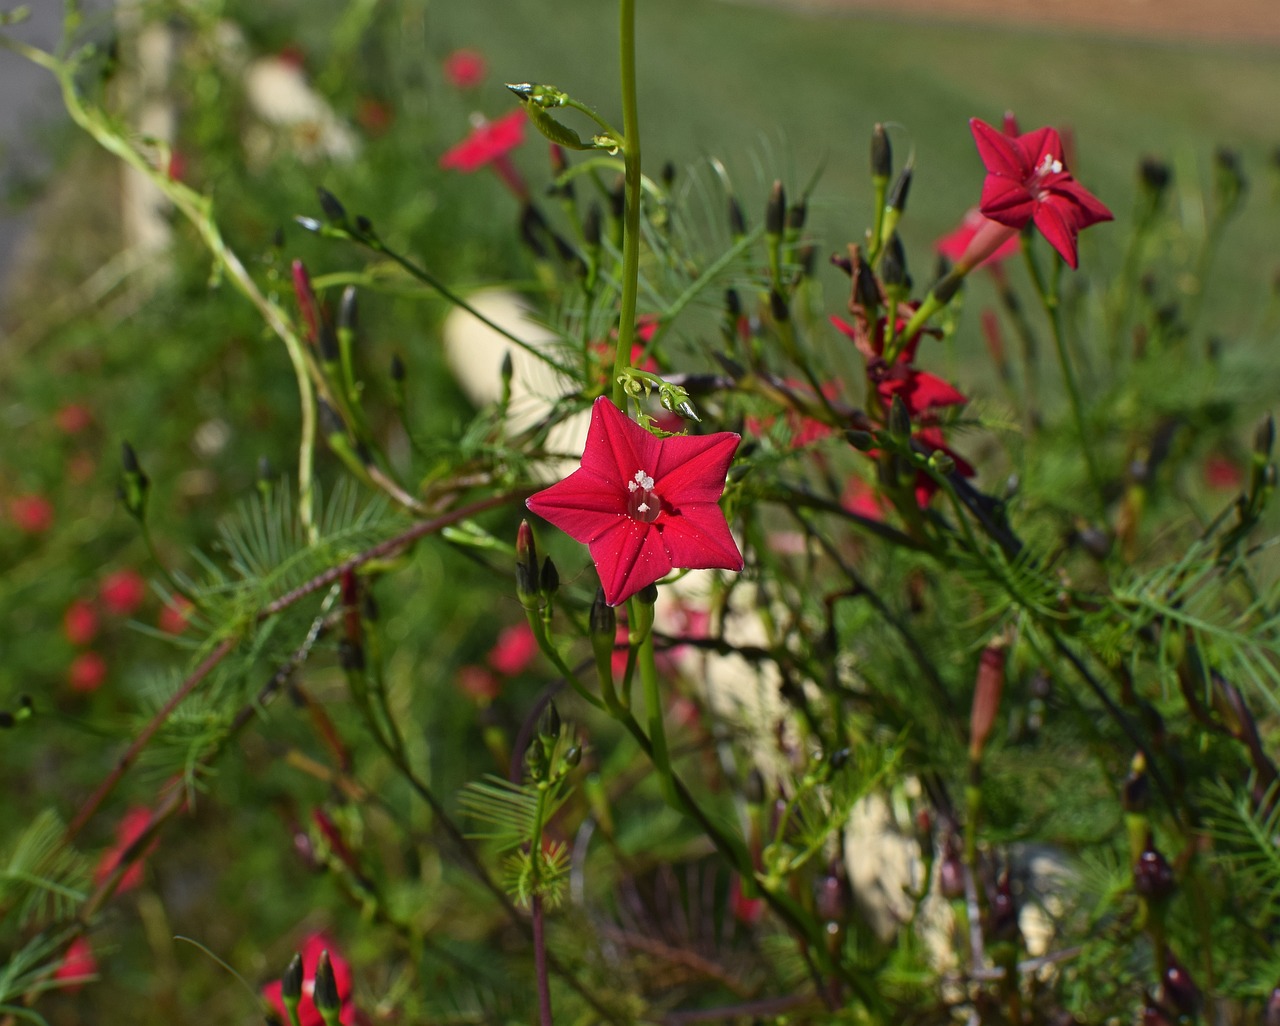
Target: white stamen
(644, 480)
(643, 507)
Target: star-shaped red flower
(644, 505)
(1027, 181)
(488, 141)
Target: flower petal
(629, 556)
(698, 537)
(1055, 219)
(617, 446)
(1006, 201)
(692, 468)
(582, 505)
(1000, 154)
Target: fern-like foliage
(40, 876)
(1237, 634)
(1246, 834)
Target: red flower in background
(78, 966)
(80, 622)
(32, 514)
(956, 245)
(87, 672)
(132, 825)
(122, 592)
(73, 418)
(644, 505)
(488, 141)
(920, 391)
(308, 1014)
(465, 69)
(1028, 181)
(175, 615)
(515, 650)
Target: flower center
(1047, 166)
(642, 504)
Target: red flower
(87, 672)
(515, 650)
(73, 418)
(644, 505)
(488, 141)
(1027, 181)
(132, 825)
(78, 966)
(308, 1014)
(955, 246)
(33, 514)
(80, 622)
(465, 69)
(122, 592)
(805, 431)
(478, 684)
(921, 391)
(175, 616)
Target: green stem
(634, 183)
(1053, 310)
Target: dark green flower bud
(134, 484)
(942, 462)
(648, 594)
(1154, 174)
(737, 219)
(893, 264)
(796, 216)
(618, 198)
(335, 213)
(348, 310)
(591, 226)
(291, 983)
(775, 211)
(535, 760)
(863, 441)
(899, 419)
(364, 227)
(328, 1002)
(549, 580)
(549, 723)
(1152, 875)
(397, 368)
(881, 153)
(778, 307)
(1265, 437)
(901, 187)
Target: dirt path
(1223, 21)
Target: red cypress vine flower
(1028, 181)
(644, 505)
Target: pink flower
(87, 672)
(80, 622)
(465, 69)
(488, 141)
(644, 505)
(132, 825)
(956, 245)
(122, 592)
(78, 966)
(308, 1014)
(1027, 181)
(515, 650)
(33, 514)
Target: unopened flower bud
(528, 572)
(291, 982)
(549, 722)
(942, 462)
(778, 307)
(1154, 174)
(901, 187)
(1178, 990)
(881, 154)
(1152, 875)
(668, 175)
(335, 213)
(899, 419)
(591, 226)
(863, 441)
(753, 790)
(986, 698)
(134, 484)
(328, 1002)
(535, 758)
(1135, 794)
(648, 594)
(833, 900)
(737, 219)
(618, 198)
(348, 310)
(951, 872)
(1003, 920)
(893, 265)
(775, 211)
(1264, 437)
(797, 214)
(549, 580)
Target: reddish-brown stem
(540, 963)
(144, 737)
